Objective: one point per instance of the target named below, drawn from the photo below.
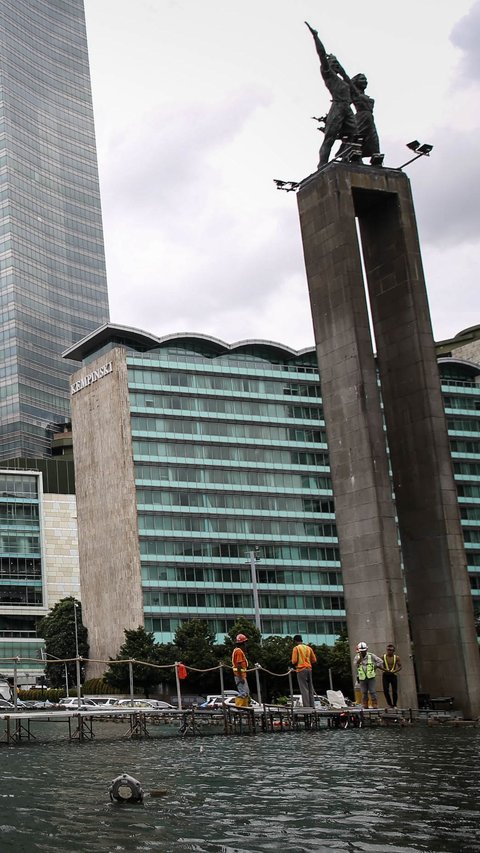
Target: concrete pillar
(440, 606)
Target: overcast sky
(200, 104)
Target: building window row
(237, 575)
(20, 595)
(238, 550)
(228, 453)
(233, 384)
(20, 568)
(240, 600)
(221, 500)
(149, 523)
(204, 429)
(258, 409)
(166, 474)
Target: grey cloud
(445, 190)
(175, 148)
(230, 272)
(466, 36)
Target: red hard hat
(241, 638)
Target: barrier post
(257, 679)
(130, 680)
(290, 684)
(79, 688)
(179, 692)
(15, 697)
(222, 685)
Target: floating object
(126, 789)
(159, 792)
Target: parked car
(21, 705)
(215, 699)
(71, 704)
(5, 705)
(320, 701)
(144, 703)
(229, 701)
(110, 702)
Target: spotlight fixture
(288, 186)
(377, 159)
(425, 149)
(420, 151)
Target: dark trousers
(389, 680)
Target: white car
(147, 704)
(71, 704)
(320, 701)
(230, 702)
(216, 702)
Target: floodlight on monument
(287, 186)
(420, 151)
(377, 159)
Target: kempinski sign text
(91, 377)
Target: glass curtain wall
(461, 390)
(52, 270)
(230, 454)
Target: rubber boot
(374, 703)
(365, 704)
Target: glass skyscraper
(53, 286)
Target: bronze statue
(340, 122)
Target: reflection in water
(361, 791)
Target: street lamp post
(77, 658)
(54, 657)
(254, 558)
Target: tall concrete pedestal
(439, 600)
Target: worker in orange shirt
(302, 659)
(240, 666)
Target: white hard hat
(362, 647)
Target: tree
(338, 660)
(275, 656)
(194, 646)
(58, 631)
(139, 645)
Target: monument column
(365, 512)
(440, 605)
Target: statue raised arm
(340, 121)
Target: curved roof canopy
(206, 344)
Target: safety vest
(239, 661)
(369, 672)
(305, 656)
(386, 664)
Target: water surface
(360, 790)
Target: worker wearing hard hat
(302, 659)
(366, 665)
(240, 666)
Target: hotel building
(191, 453)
